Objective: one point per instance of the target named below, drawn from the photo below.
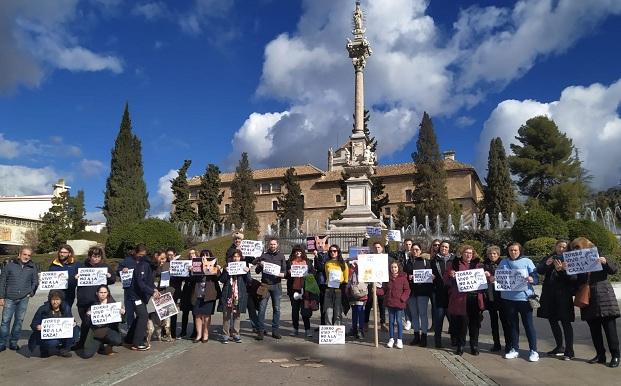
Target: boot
(416, 339)
(474, 350)
(459, 351)
(423, 340)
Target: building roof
(265, 174)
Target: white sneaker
(407, 325)
(399, 343)
(511, 354)
(390, 343)
(533, 356)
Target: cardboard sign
(53, 280)
(374, 231)
(331, 334)
(373, 268)
(471, 280)
(355, 251)
(164, 279)
(92, 276)
(582, 261)
(271, 269)
(126, 278)
(236, 268)
(105, 313)
(299, 270)
(420, 276)
(511, 280)
(197, 266)
(180, 268)
(57, 328)
(165, 306)
(251, 248)
(393, 235)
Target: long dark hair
(339, 256)
(295, 249)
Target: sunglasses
(436, 245)
(333, 250)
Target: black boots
(423, 340)
(416, 339)
(614, 362)
(459, 351)
(598, 359)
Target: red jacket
(397, 291)
(458, 300)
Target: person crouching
(55, 307)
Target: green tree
(56, 227)
(291, 203)
(542, 161)
(77, 212)
(429, 196)
(210, 197)
(182, 210)
(379, 199)
(404, 216)
(499, 195)
(243, 198)
(126, 199)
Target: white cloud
(91, 167)
(54, 147)
(588, 115)
(96, 216)
(36, 37)
(22, 181)
(8, 149)
(150, 11)
(206, 13)
(414, 68)
(161, 203)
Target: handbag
(263, 290)
(533, 301)
(583, 294)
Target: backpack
(357, 289)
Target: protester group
(327, 282)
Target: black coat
(556, 293)
(419, 289)
(440, 289)
(87, 295)
(242, 284)
(602, 301)
(492, 297)
(143, 285)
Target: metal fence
(343, 240)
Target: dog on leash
(155, 327)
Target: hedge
(154, 233)
(538, 223)
(604, 240)
(539, 247)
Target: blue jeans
(50, 346)
(514, 310)
(275, 292)
(395, 315)
(130, 308)
(418, 308)
(12, 308)
(357, 318)
(440, 314)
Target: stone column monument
(361, 159)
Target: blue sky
(208, 79)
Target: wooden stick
(375, 315)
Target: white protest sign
(126, 278)
(92, 276)
(394, 235)
(511, 280)
(471, 280)
(165, 306)
(374, 231)
(180, 268)
(373, 268)
(334, 278)
(251, 248)
(105, 313)
(53, 280)
(164, 279)
(236, 268)
(299, 270)
(57, 328)
(331, 334)
(271, 269)
(422, 276)
(582, 261)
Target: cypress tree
(77, 212)
(182, 209)
(126, 199)
(243, 198)
(429, 196)
(499, 195)
(379, 199)
(291, 203)
(210, 197)
(56, 227)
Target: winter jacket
(18, 280)
(71, 266)
(320, 265)
(87, 295)
(296, 283)
(458, 300)
(227, 290)
(439, 265)
(143, 282)
(522, 262)
(113, 326)
(602, 301)
(556, 300)
(397, 291)
(45, 312)
(420, 289)
(492, 298)
(274, 258)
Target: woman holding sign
(465, 308)
(493, 302)
(421, 286)
(206, 293)
(298, 267)
(602, 310)
(55, 307)
(234, 298)
(102, 337)
(337, 276)
(557, 303)
(517, 302)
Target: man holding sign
(50, 328)
(271, 279)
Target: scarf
(233, 300)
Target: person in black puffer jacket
(439, 265)
(603, 309)
(101, 338)
(420, 293)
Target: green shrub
(539, 247)
(154, 233)
(538, 223)
(498, 237)
(604, 240)
(92, 236)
